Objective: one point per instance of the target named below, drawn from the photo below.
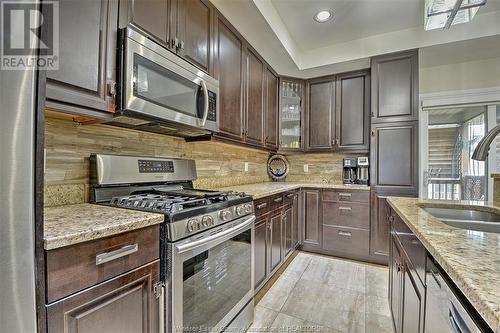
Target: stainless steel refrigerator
(17, 244)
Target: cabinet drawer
(288, 197)
(346, 214)
(411, 245)
(261, 206)
(276, 201)
(346, 195)
(347, 240)
(76, 267)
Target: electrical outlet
(246, 166)
(306, 167)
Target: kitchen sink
(469, 219)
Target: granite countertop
(470, 258)
(261, 190)
(72, 224)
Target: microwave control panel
(212, 106)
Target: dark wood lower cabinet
(275, 241)
(287, 226)
(395, 283)
(412, 302)
(312, 223)
(296, 210)
(125, 304)
(275, 228)
(406, 289)
(260, 254)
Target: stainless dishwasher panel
(443, 312)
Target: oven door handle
(226, 233)
(205, 106)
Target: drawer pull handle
(344, 233)
(280, 199)
(345, 195)
(121, 252)
(262, 205)
(289, 195)
(345, 208)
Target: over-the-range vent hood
(155, 126)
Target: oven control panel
(151, 166)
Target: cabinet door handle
(159, 292)
(289, 195)
(345, 208)
(181, 45)
(280, 199)
(262, 205)
(345, 233)
(113, 255)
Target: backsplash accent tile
(69, 146)
(324, 167)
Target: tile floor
(322, 294)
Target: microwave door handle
(205, 106)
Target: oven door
(212, 277)
(161, 85)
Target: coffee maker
(363, 171)
(350, 165)
(356, 170)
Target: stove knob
(207, 220)
(248, 208)
(225, 215)
(240, 210)
(192, 225)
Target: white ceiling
(352, 19)
(285, 34)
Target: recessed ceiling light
(323, 16)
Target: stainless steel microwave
(160, 92)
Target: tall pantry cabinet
(393, 140)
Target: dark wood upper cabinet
(395, 87)
(195, 20)
(85, 74)
(151, 16)
(271, 109)
(186, 27)
(321, 114)
(254, 132)
(230, 75)
(394, 156)
(353, 111)
(291, 114)
(126, 303)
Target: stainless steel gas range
(207, 239)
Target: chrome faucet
(482, 149)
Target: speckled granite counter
(470, 258)
(72, 224)
(261, 190)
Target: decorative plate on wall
(277, 167)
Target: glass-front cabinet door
(291, 114)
